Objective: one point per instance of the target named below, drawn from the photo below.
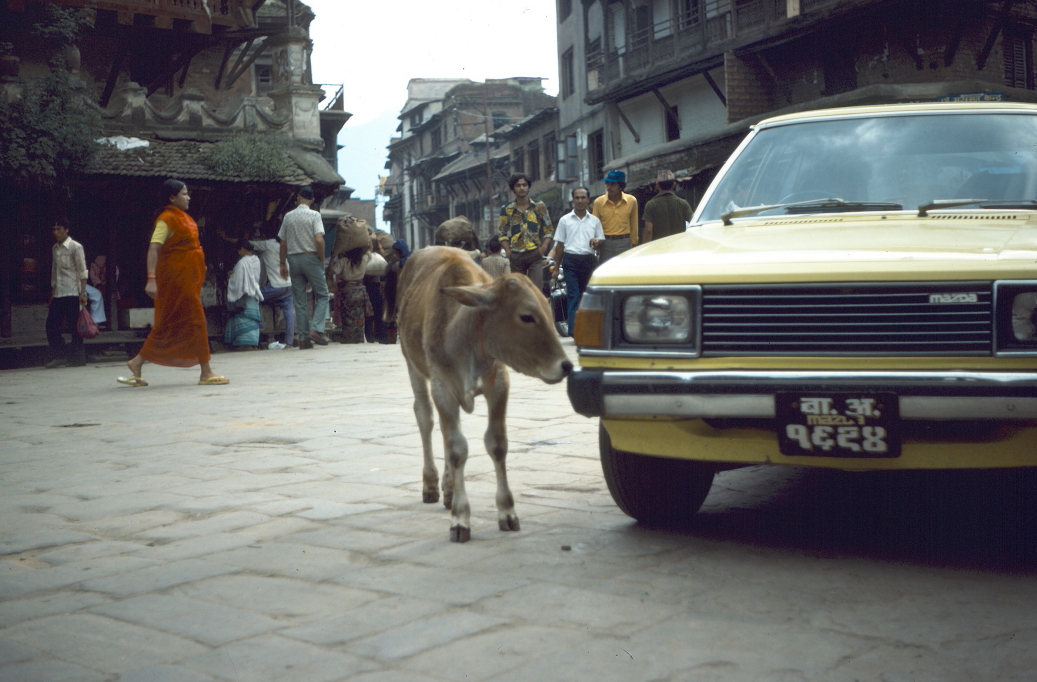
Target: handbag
(85, 324)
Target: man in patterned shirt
(67, 294)
(525, 230)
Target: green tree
(48, 133)
(262, 156)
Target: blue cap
(616, 176)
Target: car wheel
(654, 490)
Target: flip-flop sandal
(132, 381)
(214, 381)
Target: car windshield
(908, 160)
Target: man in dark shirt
(666, 213)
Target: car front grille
(929, 318)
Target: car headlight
(1023, 306)
(657, 318)
(1016, 320)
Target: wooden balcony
(706, 29)
(228, 13)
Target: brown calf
(458, 329)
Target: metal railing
(224, 12)
(674, 40)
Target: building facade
(650, 84)
(171, 81)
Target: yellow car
(856, 291)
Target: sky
(374, 49)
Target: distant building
(447, 160)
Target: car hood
(951, 246)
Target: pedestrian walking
(351, 296)
(578, 235)
(176, 272)
(68, 274)
(524, 230)
(617, 212)
(302, 259)
(666, 213)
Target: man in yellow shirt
(617, 212)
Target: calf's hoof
(429, 497)
(460, 534)
(508, 523)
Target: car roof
(900, 110)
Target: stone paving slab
(273, 529)
(202, 621)
(100, 643)
(276, 659)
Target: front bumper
(741, 394)
(951, 420)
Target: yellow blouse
(161, 233)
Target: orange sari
(180, 337)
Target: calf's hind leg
(423, 413)
(495, 388)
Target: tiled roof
(182, 160)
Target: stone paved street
(273, 530)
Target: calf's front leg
(495, 387)
(423, 413)
(456, 447)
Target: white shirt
(244, 279)
(67, 269)
(298, 229)
(576, 233)
(269, 252)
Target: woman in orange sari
(176, 272)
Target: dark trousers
(529, 263)
(577, 270)
(282, 298)
(374, 327)
(63, 314)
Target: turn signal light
(589, 331)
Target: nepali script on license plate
(838, 424)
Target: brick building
(647, 84)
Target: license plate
(838, 424)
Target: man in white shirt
(68, 275)
(579, 233)
(302, 248)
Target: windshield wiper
(832, 205)
(982, 203)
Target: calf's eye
(528, 319)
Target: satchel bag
(85, 324)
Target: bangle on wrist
(151, 277)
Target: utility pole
(489, 167)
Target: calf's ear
(473, 295)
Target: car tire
(654, 490)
